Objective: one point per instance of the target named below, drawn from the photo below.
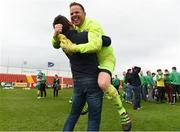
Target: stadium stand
(67, 81)
(30, 79)
(50, 79)
(12, 78)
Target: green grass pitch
(20, 110)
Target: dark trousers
(160, 96)
(85, 90)
(169, 91)
(176, 89)
(144, 92)
(137, 98)
(56, 90)
(129, 93)
(43, 90)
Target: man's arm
(81, 38)
(55, 42)
(55, 39)
(158, 77)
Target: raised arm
(55, 42)
(55, 39)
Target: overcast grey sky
(144, 32)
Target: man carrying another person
(105, 57)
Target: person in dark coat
(56, 85)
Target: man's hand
(66, 44)
(57, 29)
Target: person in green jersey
(175, 81)
(150, 85)
(144, 91)
(116, 82)
(43, 84)
(39, 83)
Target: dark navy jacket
(82, 65)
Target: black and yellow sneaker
(70, 100)
(126, 122)
(84, 110)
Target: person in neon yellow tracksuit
(105, 56)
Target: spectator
(168, 86)
(39, 84)
(43, 84)
(144, 92)
(160, 86)
(56, 85)
(175, 81)
(129, 92)
(150, 85)
(116, 83)
(135, 84)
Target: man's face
(141, 73)
(124, 73)
(159, 72)
(166, 72)
(77, 15)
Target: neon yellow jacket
(160, 80)
(105, 55)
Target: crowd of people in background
(136, 85)
(159, 87)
